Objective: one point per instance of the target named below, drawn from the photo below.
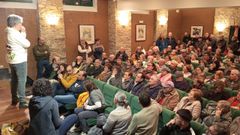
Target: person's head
(97, 41)
(117, 70)
(119, 61)
(69, 70)
(127, 75)
(139, 77)
(183, 118)
(56, 60)
(170, 34)
(195, 94)
(83, 42)
(89, 60)
(219, 75)
(234, 75)
(154, 80)
(97, 63)
(63, 67)
(122, 50)
(198, 70)
(218, 86)
(104, 55)
(89, 85)
(165, 71)
(224, 106)
(144, 99)
(82, 75)
(168, 87)
(179, 76)
(217, 129)
(120, 99)
(15, 21)
(107, 67)
(150, 66)
(111, 57)
(42, 87)
(79, 58)
(41, 41)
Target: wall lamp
(52, 18)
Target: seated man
(65, 81)
(233, 81)
(120, 118)
(153, 86)
(180, 82)
(138, 84)
(217, 130)
(180, 125)
(73, 92)
(127, 80)
(145, 122)
(96, 69)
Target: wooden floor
(8, 113)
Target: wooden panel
(73, 18)
(30, 22)
(149, 20)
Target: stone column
(161, 28)
(53, 34)
(119, 36)
(227, 16)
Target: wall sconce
(123, 17)
(220, 26)
(52, 19)
(163, 20)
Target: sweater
(18, 45)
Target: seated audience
(222, 116)
(43, 110)
(72, 93)
(149, 70)
(153, 86)
(180, 125)
(96, 69)
(165, 75)
(186, 72)
(137, 85)
(234, 127)
(106, 73)
(191, 103)
(235, 101)
(217, 130)
(122, 54)
(233, 81)
(145, 122)
(180, 82)
(127, 80)
(168, 96)
(120, 118)
(116, 77)
(79, 64)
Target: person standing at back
(17, 45)
(41, 53)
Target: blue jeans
(57, 88)
(41, 64)
(18, 81)
(65, 99)
(83, 115)
(67, 123)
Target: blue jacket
(44, 116)
(77, 88)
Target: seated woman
(235, 101)
(221, 117)
(168, 96)
(219, 75)
(92, 107)
(120, 118)
(165, 75)
(191, 103)
(43, 110)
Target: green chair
(205, 102)
(99, 84)
(195, 65)
(182, 93)
(190, 81)
(235, 113)
(135, 105)
(129, 95)
(198, 128)
(109, 92)
(165, 117)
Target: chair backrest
(198, 128)
(135, 105)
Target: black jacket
(175, 130)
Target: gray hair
(13, 20)
(121, 99)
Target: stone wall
(228, 16)
(53, 34)
(161, 28)
(119, 36)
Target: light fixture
(163, 20)
(123, 17)
(220, 26)
(52, 19)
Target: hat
(178, 74)
(168, 84)
(185, 114)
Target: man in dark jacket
(122, 54)
(41, 53)
(180, 125)
(96, 69)
(153, 86)
(138, 84)
(170, 40)
(180, 82)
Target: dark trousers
(43, 65)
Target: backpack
(82, 99)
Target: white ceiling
(173, 4)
